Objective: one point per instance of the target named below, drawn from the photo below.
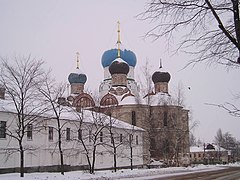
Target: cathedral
(166, 124)
(122, 121)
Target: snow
(7, 106)
(160, 99)
(196, 149)
(69, 113)
(128, 100)
(201, 148)
(120, 174)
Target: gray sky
(54, 30)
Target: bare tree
(227, 141)
(146, 90)
(130, 143)
(230, 108)
(90, 125)
(182, 126)
(55, 105)
(20, 81)
(209, 30)
(114, 144)
(146, 82)
(192, 139)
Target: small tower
(77, 80)
(160, 80)
(128, 57)
(119, 70)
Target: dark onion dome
(77, 78)
(161, 77)
(118, 67)
(110, 55)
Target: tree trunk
(115, 159)
(236, 21)
(62, 164)
(131, 159)
(93, 160)
(21, 160)
(60, 150)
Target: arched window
(165, 117)
(108, 99)
(134, 118)
(121, 138)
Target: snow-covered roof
(201, 148)
(7, 106)
(69, 113)
(128, 100)
(196, 149)
(154, 99)
(88, 117)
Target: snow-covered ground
(120, 174)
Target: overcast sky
(54, 30)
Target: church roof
(201, 148)
(110, 55)
(69, 113)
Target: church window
(134, 118)
(29, 131)
(50, 133)
(130, 138)
(68, 134)
(3, 129)
(136, 139)
(121, 138)
(165, 116)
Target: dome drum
(161, 87)
(119, 80)
(77, 88)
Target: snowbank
(121, 174)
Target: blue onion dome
(77, 78)
(110, 55)
(118, 67)
(161, 77)
(129, 57)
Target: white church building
(41, 140)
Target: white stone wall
(45, 152)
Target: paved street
(231, 173)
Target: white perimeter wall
(40, 151)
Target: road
(231, 173)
